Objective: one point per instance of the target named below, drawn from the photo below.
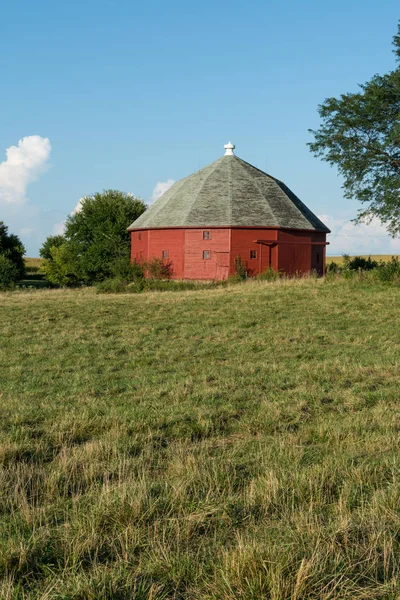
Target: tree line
(95, 244)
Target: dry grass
(377, 257)
(233, 443)
(33, 263)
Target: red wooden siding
(260, 240)
(218, 245)
(290, 251)
(155, 241)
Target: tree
(53, 241)
(60, 267)
(12, 249)
(8, 273)
(95, 238)
(360, 134)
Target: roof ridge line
(295, 200)
(255, 183)
(202, 185)
(230, 192)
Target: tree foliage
(53, 241)
(12, 249)
(95, 238)
(8, 273)
(360, 134)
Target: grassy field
(377, 257)
(238, 443)
(33, 264)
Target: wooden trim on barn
(273, 242)
(233, 227)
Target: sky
(107, 94)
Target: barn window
(206, 254)
(139, 236)
(317, 258)
(206, 235)
(165, 254)
(253, 253)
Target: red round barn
(229, 209)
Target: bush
(9, 273)
(333, 268)
(123, 268)
(59, 269)
(269, 275)
(389, 271)
(358, 263)
(157, 268)
(240, 269)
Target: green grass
(238, 443)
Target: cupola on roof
(229, 193)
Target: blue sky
(128, 95)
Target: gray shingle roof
(229, 192)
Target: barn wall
(244, 240)
(294, 257)
(170, 240)
(215, 267)
(154, 241)
(139, 247)
(297, 254)
(294, 251)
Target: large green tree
(360, 135)
(12, 252)
(95, 239)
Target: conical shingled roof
(229, 192)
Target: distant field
(33, 264)
(34, 278)
(225, 444)
(378, 257)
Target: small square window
(206, 254)
(206, 235)
(165, 254)
(139, 236)
(253, 253)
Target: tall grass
(226, 443)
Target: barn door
(222, 265)
(317, 259)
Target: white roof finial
(229, 148)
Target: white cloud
(364, 238)
(78, 207)
(59, 228)
(27, 231)
(160, 188)
(24, 163)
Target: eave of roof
(229, 193)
